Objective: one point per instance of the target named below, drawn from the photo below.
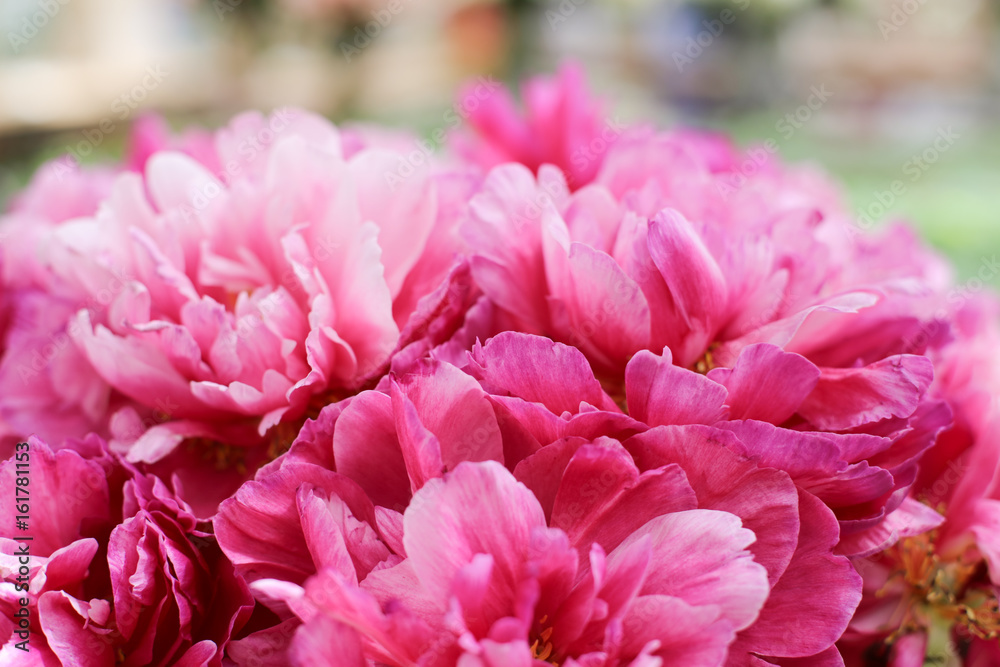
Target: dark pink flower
(152, 590)
(596, 474)
(933, 596)
(487, 580)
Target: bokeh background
(875, 91)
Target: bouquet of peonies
(566, 393)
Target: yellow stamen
(541, 648)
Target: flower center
(541, 648)
(219, 454)
(942, 595)
(706, 363)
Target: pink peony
(218, 309)
(47, 386)
(933, 597)
(597, 476)
(732, 265)
(488, 580)
(152, 590)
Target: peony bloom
(562, 125)
(597, 476)
(933, 596)
(750, 274)
(644, 259)
(47, 387)
(152, 590)
(230, 305)
(487, 580)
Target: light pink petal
(685, 634)
(323, 642)
(404, 212)
(477, 508)
(595, 306)
(504, 232)
(364, 305)
(133, 366)
(701, 557)
(175, 180)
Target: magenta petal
(986, 528)
(910, 518)
(910, 651)
(201, 654)
(264, 648)
(765, 499)
(660, 393)
(604, 499)
(767, 383)
(66, 490)
(366, 432)
(846, 398)
(260, 530)
(829, 658)
(695, 281)
(453, 407)
(324, 534)
(421, 448)
(537, 370)
(817, 585)
(542, 472)
(814, 462)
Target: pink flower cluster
(573, 392)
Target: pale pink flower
(234, 301)
(47, 385)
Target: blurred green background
(898, 74)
